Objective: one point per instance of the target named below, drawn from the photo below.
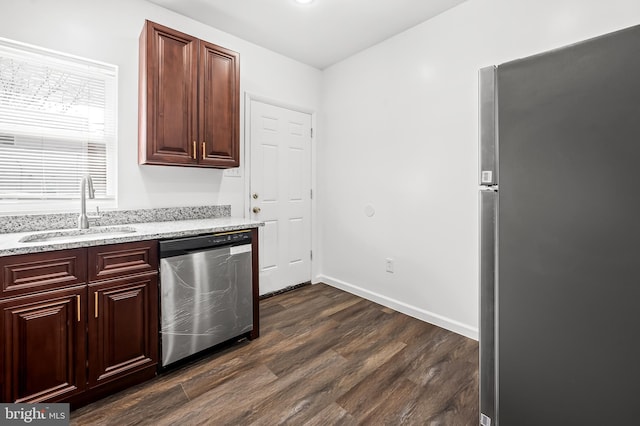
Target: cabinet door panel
(169, 105)
(219, 106)
(43, 346)
(123, 327)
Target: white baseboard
(421, 314)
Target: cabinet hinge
(312, 132)
(311, 194)
(311, 254)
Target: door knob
(256, 209)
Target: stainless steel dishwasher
(205, 292)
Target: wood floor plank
(339, 304)
(399, 400)
(325, 357)
(368, 394)
(267, 311)
(208, 408)
(279, 398)
(381, 328)
(333, 414)
(355, 372)
(297, 316)
(125, 410)
(294, 298)
(291, 404)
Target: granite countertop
(10, 243)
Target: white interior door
(280, 193)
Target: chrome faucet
(83, 220)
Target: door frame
(248, 97)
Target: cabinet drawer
(117, 260)
(28, 273)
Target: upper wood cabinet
(189, 100)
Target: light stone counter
(10, 242)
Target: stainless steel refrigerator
(560, 236)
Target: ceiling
(318, 34)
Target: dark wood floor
(325, 357)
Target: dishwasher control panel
(231, 237)
(186, 245)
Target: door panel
(488, 148)
(207, 298)
(270, 172)
(488, 236)
(281, 180)
(219, 106)
(122, 326)
(295, 170)
(43, 346)
(568, 235)
(296, 249)
(269, 260)
(171, 95)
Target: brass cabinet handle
(204, 149)
(78, 306)
(195, 151)
(95, 296)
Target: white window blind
(57, 123)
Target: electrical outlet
(389, 265)
(234, 172)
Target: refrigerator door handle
(488, 306)
(488, 150)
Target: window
(57, 123)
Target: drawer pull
(95, 298)
(78, 306)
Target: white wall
(397, 129)
(399, 132)
(108, 30)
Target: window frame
(68, 200)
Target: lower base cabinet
(123, 328)
(43, 346)
(82, 342)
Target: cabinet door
(219, 110)
(123, 329)
(43, 355)
(168, 96)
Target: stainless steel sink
(78, 234)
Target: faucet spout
(85, 183)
